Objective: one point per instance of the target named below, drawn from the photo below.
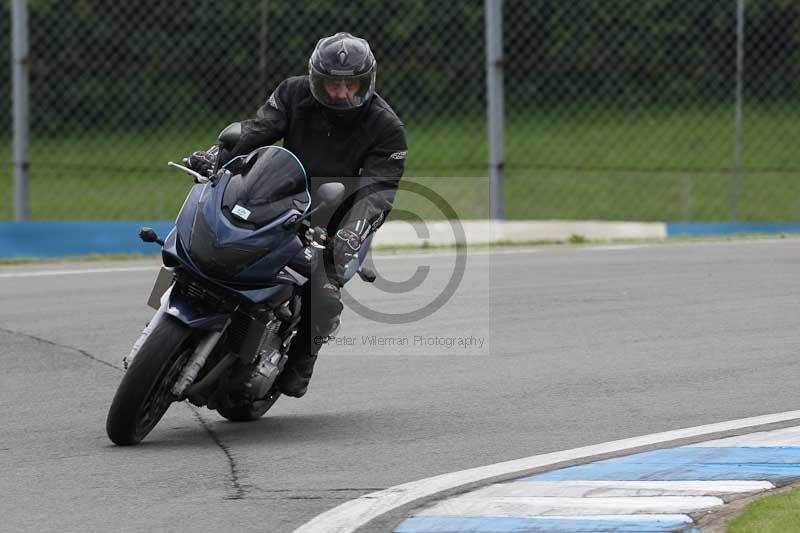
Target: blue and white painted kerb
(657, 491)
(63, 239)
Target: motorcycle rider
(340, 128)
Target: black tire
(144, 394)
(251, 412)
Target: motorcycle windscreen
(271, 182)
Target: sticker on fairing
(241, 212)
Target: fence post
(20, 66)
(263, 50)
(493, 20)
(737, 148)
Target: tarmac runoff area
(583, 345)
(655, 491)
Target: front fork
(199, 357)
(196, 362)
(162, 309)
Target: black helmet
(341, 72)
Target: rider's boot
(295, 377)
(316, 330)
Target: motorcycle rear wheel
(252, 411)
(145, 393)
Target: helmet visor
(342, 92)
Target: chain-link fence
(615, 109)
(626, 110)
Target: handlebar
(199, 178)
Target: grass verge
(779, 513)
(89, 258)
(566, 163)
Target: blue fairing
(282, 243)
(174, 253)
(187, 212)
(239, 259)
(186, 310)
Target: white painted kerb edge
(353, 514)
(441, 233)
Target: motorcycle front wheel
(145, 393)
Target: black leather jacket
(366, 152)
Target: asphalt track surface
(582, 345)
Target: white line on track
(380, 256)
(351, 515)
(42, 273)
(613, 247)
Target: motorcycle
(228, 296)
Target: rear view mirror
(330, 194)
(230, 135)
(328, 197)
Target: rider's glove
(346, 245)
(203, 162)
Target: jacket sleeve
(380, 176)
(269, 126)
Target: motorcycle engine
(255, 380)
(269, 363)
